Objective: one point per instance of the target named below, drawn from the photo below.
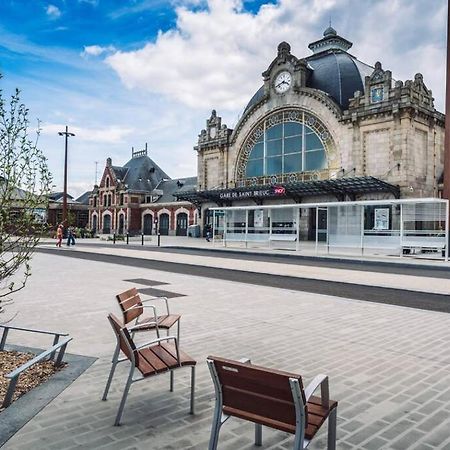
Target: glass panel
(315, 160)
(274, 132)
(293, 163)
(273, 147)
(257, 151)
(292, 129)
(313, 142)
(293, 145)
(274, 166)
(254, 168)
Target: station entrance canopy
(340, 188)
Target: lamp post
(66, 134)
(446, 192)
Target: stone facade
(369, 125)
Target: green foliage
(24, 187)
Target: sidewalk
(389, 366)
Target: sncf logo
(279, 190)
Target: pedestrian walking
(208, 233)
(59, 235)
(70, 237)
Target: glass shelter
(375, 227)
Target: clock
(282, 82)
(376, 94)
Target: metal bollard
(128, 238)
(142, 236)
(159, 239)
(114, 238)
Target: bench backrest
(259, 391)
(130, 299)
(126, 343)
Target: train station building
(325, 127)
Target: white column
(447, 211)
(362, 229)
(246, 228)
(214, 228)
(270, 226)
(225, 219)
(297, 231)
(401, 230)
(317, 229)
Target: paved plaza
(389, 366)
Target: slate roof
(177, 186)
(339, 74)
(55, 196)
(333, 71)
(120, 172)
(84, 198)
(140, 173)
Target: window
(121, 199)
(287, 147)
(107, 182)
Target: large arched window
(284, 148)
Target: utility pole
(446, 192)
(66, 134)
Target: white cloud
(214, 56)
(97, 50)
(105, 135)
(53, 11)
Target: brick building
(139, 196)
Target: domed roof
(331, 70)
(339, 74)
(330, 31)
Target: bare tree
(24, 187)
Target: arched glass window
(287, 147)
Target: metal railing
(50, 352)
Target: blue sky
(124, 72)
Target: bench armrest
(244, 360)
(166, 300)
(157, 340)
(138, 325)
(140, 306)
(322, 381)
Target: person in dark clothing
(208, 233)
(70, 237)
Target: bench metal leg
(171, 381)
(258, 434)
(217, 423)
(332, 419)
(192, 409)
(111, 372)
(124, 397)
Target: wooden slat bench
(133, 308)
(271, 398)
(150, 359)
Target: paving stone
(392, 383)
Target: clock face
(376, 94)
(282, 82)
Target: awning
(341, 188)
